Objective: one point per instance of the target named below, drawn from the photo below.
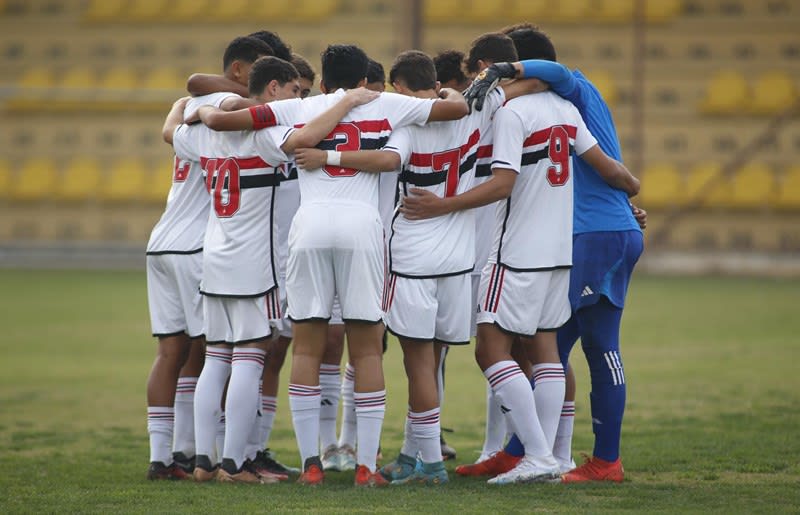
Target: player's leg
(208, 396)
(562, 448)
(183, 448)
(548, 378)
(330, 382)
(440, 351)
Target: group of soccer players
(421, 212)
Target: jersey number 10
(223, 176)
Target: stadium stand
(80, 180)
(35, 181)
(157, 185)
(125, 182)
(727, 92)
(706, 184)
(663, 186)
(5, 179)
(789, 191)
(753, 186)
(773, 92)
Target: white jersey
(439, 157)
(389, 197)
(241, 176)
(287, 200)
(536, 136)
(366, 127)
(181, 228)
(484, 215)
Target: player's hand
(310, 158)
(421, 204)
(640, 215)
(486, 81)
(361, 96)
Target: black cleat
(180, 459)
(159, 471)
(265, 460)
(448, 453)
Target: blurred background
(704, 94)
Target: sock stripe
(330, 370)
(543, 374)
(350, 373)
(370, 400)
(304, 391)
(504, 374)
(270, 405)
(219, 355)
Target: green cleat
(430, 474)
(400, 468)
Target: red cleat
(595, 469)
(369, 479)
(499, 463)
(311, 476)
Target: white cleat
(527, 472)
(566, 466)
(330, 459)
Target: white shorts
(427, 309)
(474, 308)
(335, 249)
(173, 294)
(236, 320)
(524, 303)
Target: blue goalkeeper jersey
(598, 206)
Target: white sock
(219, 438)
(348, 434)
(370, 409)
(513, 391)
(254, 441)
(330, 384)
(269, 405)
(242, 402)
(184, 416)
(160, 421)
(410, 446)
(440, 376)
(427, 430)
(304, 401)
(549, 397)
(207, 398)
(562, 449)
(495, 425)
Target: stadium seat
(480, 11)
(119, 79)
(726, 93)
(313, 10)
(165, 79)
(188, 10)
(443, 11)
(706, 184)
(789, 191)
(614, 11)
(232, 10)
(662, 11)
(35, 181)
(36, 78)
(662, 186)
(78, 79)
(604, 82)
(569, 12)
(5, 178)
(158, 184)
(270, 11)
(752, 186)
(773, 92)
(125, 181)
(80, 180)
(146, 10)
(104, 10)
(529, 9)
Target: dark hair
(343, 66)
(531, 42)
(494, 46)
(245, 49)
(303, 67)
(375, 72)
(280, 49)
(267, 69)
(448, 66)
(416, 69)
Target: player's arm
(363, 160)
(518, 88)
(205, 84)
(231, 103)
(556, 75)
(174, 118)
(614, 173)
(421, 204)
(450, 106)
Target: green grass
(711, 425)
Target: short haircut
(448, 66)
(416, 69)
(531, 42)
(375, 72)
(267, 69)
(245, 49)
(303, 67)
(343, 66)
(280, 49)
(493, 46)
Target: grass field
(712, 424)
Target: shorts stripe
(387, 303)
(273, 306)
(495, 289)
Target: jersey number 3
(558, 152)
(223, 176)
(352, 141)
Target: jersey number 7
(449, 161)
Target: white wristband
(334, 158)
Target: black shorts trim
(435, 276)
(425, 340)
(218, 342)
(361, 320)
(201, 335)
(167, 335)
(509, 331)
(459, 344)
(309, 319)
(177, 252)
(240, 342)
(542, 269)
(248, 296)
(549, 329)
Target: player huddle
(421, 212)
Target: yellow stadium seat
(614, 11)
(604, 82)
(773, 92)
(726, 93)
(529, 10)
(662, 186)
(118, 79)
(189, 10)
(269, 11)
(752, 186)
(159, 184)
(481, 11)
(443, 11)
(35, 181)
(661, 11)
(146, 10)
(36, 78)
(164, 79)
(313, 10)
(572, 11)
(125, 181)
(789, 192)
(228, 10)
(80, 180)
(104, 10)
(78, 79)
(706, 184)
(5, 178)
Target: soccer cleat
(448, 453)
(265, 460)
(429, 474)
(330, 459)
(203, 469)
(347, 458)
(596, 469)
(180, 459)
(367, 479)
(228, 473)
(527, 472)
(264, 471)
(565, 466)
(171, 472)
(312, 472)
(400, 468)
(499, 463)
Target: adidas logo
(586, 291)
(504, 410)
(326, 402)
(478, 309)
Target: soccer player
(174, 262)
(307, 74)
(524, 287)
(607, 244)
(376, 77)
(448, 70)
(428, 296)
(239, 277)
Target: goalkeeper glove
(486, 81)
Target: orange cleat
(596, 469)
(499, 463)
(369, 479)
(312, 472)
